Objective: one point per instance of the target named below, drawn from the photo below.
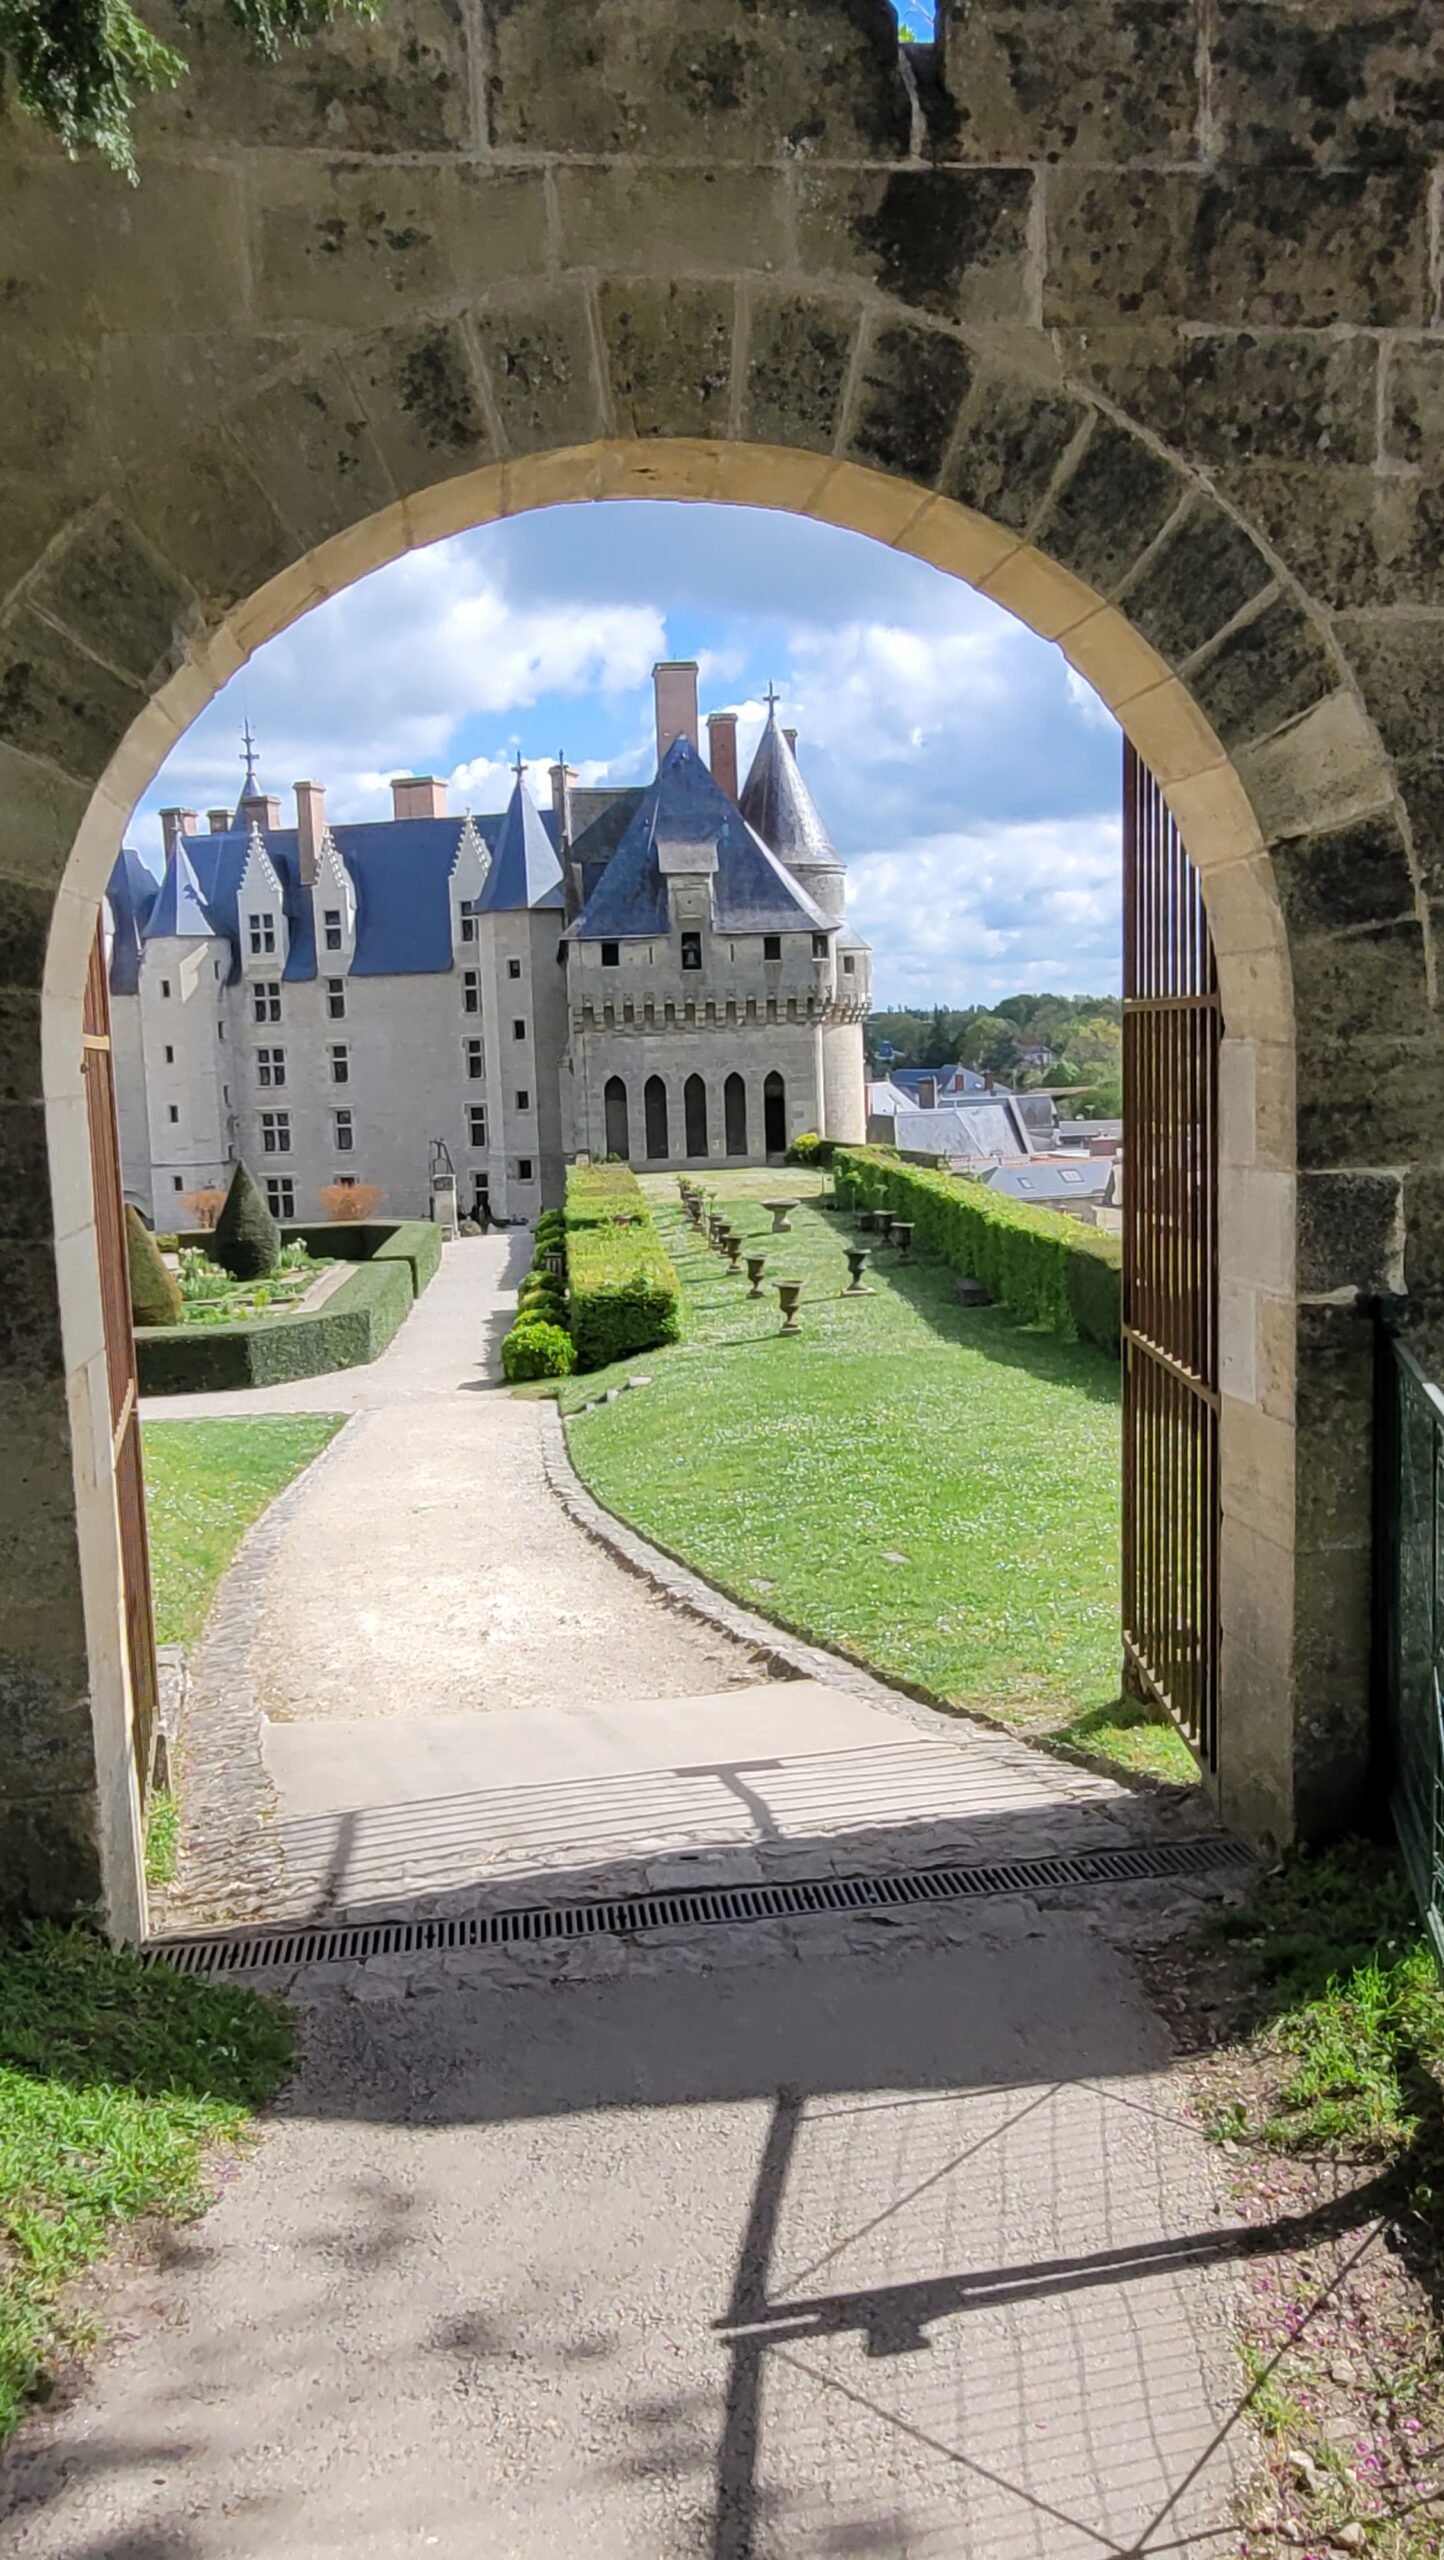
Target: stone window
(691, 951)
(346, 1181)
(170, 1057)
(280, 1195)
(173, 1111)
(220, 1031)
(523, 1099)
(270, 1066)
(340, 1063)
(819, 946)
(468, 921)
(266, 1004)
(332, 922)
(471, 991)
(611, 955)
(165, 986)
(345, 1134)
(518, 1029)
(276, 1133)
(476, 1115)
(475, 1063)
(513, 968)
(335, 999)
(772, 946)
(263, 937)
(848, 964)
(523, 1168)
(177, 1182)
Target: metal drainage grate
(268, 1950)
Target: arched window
(734, 1113)
(618, 1138)
(774, 1115)
(654, 1109)
(694, 1111)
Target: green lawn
(205, 1483)
(934, 1488)
(114, 2077)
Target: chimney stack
(418, 795)
(562, 777)
(310, 828)
(675, 683)
(176, 822)
(722, 750)
(219, 821)
(791, 736)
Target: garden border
(352, 1328)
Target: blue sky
(968, 777)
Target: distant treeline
(1024, 1041)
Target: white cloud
(980, 914)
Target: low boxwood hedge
(533, 1349)
(354, 1325)
(413, 1240)
(1045, 1268)
(623, 1294)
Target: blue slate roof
(181, 906)
(132, 891)
(686, 822)
(525, 871)
(402, 871)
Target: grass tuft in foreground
(205, 1483)
(114, 2079)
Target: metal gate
(120, 1361)
(1171, 1029)
(1409, 1618)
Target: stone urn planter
(732, 1247)
(694, 1208)
(756, 1265)
(788, 1293)
(857, 1260)
(902, 1237)
(778, 1210)
(866, 1222)
(884, 1226)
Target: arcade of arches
(1132, 325)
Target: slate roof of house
(972, 1129)
(776, 801)
(600, 820)
(524, 870)
(132, 891)
(685, 821)
(402, 871)
(949, 1080)
(1088, 1179)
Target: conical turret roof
(524, 870)
(776, 801)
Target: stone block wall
(1128, 312)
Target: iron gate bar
(1171, 1030)
(1409, 1566)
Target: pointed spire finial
(248, 758)
(519, 768)
(773, 699)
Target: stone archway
(1123, 331)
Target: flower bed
(226, 1349)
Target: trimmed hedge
(413, 1240)
(536, 1350)
(623, 1292)
(355, 1325)
(1045, 1268)
(155, 1296)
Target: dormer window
(331, 922)
(691, 951)
(468, 920)
(772, 946)
(611, 955)
(819, 946)
(263, 937)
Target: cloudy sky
(968, 778)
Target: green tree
(989, 1043)
(246, 1241)
(155, 1296)
(83, 66)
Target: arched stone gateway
(1123, 315)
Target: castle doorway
(734, 1115)
(654, 1111)
(614, 1103)
(694, 1112)
(774, 1114)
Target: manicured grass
(205, 1483)
(162, 1836)
(114, 2077)
(933, 1487)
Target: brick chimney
(722, 750)
(562, 778)
(310, 828)
(791, 736)
(176, 822)
(418, 795)
(675, 683)
(219, 821)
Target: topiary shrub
(536, 1350)
(155, 1296)
(247, 1240)
(550, 1229)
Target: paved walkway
(856, 2235)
